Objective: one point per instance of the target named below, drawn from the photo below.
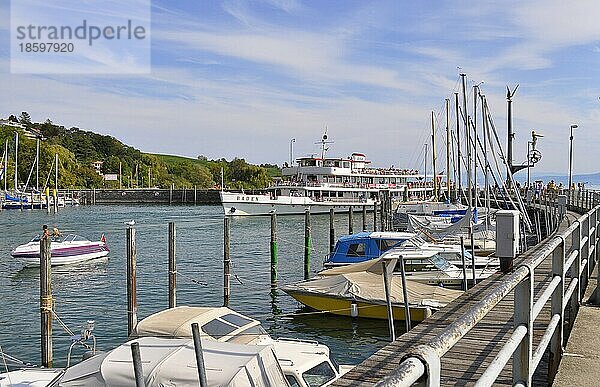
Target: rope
(63, 325)
(197, 282)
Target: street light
(571, 157)
(292, 141)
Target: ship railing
(571, 269)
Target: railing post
(575, 270)
(585, 253)
(523, 315)
(562, 207)
(557, 307)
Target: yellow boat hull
(344, 307)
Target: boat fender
(232, 210)
(354, 309)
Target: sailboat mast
(425, 169)
(16, 160)
(433, 158)
(459, 194)
(448, 148)
(37, 165)
(6, 165)
(475, 94)
(485, 174)
(468, 137)
(56, 174)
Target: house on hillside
(97, 165)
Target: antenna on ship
(324, 143)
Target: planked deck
(464, 363)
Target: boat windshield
(319, 374)
(439, 262)
(35, 238)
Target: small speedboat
(64, 250)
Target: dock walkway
(464, 362)
(580, 365)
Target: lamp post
(292, 141)
(574, 126)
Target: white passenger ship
(321, 183)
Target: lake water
(97, 290)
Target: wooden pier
(466, 361)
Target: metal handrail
(581, 233)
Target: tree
(13, 118)
(25, 118)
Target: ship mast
(324, 144)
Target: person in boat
(56, 233)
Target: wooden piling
(226, 262)
(195, 195)
(364, 218)
(331, 231)
(46, 301)
(47, 191)
(199, 355)
(465, 285)
(172, 266)
(138, 370)
(350, 220)
(307, 244)
(55, 196)
(273, 250)
(171, 194)
(473, 255)
(131, 281)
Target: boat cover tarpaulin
(176, 322)
(437, 229)
(364, 282)
(172, 362)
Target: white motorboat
(304, 363)
(64, 250)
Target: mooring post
(388, 301)
(94, 196)
(172, 267)
(473, 254)
(55, 196)
(382, 216)
(364, 218)
(195, 195)
(226, 262)
(171, 193)
(199, 355)
(406, 300)
(131, 281)
(464, 263)
(307, 244)
(273, 250)
(331, 231)
(375, 216)
(350, 220)
(138, 370)
(46, 300)
(47, 190)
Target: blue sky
(243, 77)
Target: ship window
(386, 244)
(319, 374)
(356, 250)
(218, 329)
(346, 164)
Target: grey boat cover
(364, 282)
(432, 226)
(172, 362)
